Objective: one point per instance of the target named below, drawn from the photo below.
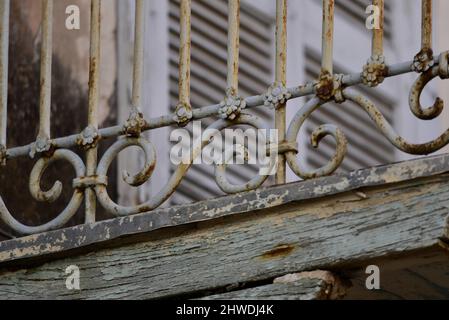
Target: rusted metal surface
(378, 33)
(325, 84)
(220, 170)
(183, 113)
(387, 130)
(327, 62)
(43, 138)
(280, 83)
(150, 158)
(4, 43)
(184, 52)
(375, 70)
(94, 96)
(232, 105)
(139, 34)
(136, 121)
(233, 47)
(424, 59)
(320, 133)
(426, 40)
(50, 195)
(415, 96)
(92, 180)
(212, 110)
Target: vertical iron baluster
(233, 47)
(94, 91)
(375, 70)
(424, 59)
(325, 86)
(281, 80)
(138, 54)
(184, 54)
(183, 113)
(426, 38)
(4, 46)
(328, 36)
(45, 75)
(232, 105)
(378, 33)
(136, 121)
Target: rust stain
(279, 252)
(325, 86)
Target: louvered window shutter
(208, 83)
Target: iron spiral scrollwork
(176, 178)
(317, 135)
(220, 169)
(429, 113)
(48, 196)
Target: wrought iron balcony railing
(92, 176)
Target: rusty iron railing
(91, 179)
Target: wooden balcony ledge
(306, 240)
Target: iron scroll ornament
(100, 182)
(48, 196)
(429, 113)
(181, 170)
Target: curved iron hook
(418, 110)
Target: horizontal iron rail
(212, 110)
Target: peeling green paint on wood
(344, 229)
(90, 236)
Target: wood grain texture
(317, 285)
(306, 289)
(346, 229)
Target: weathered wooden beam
(318, 285)
(62, 242)
(349, 220)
